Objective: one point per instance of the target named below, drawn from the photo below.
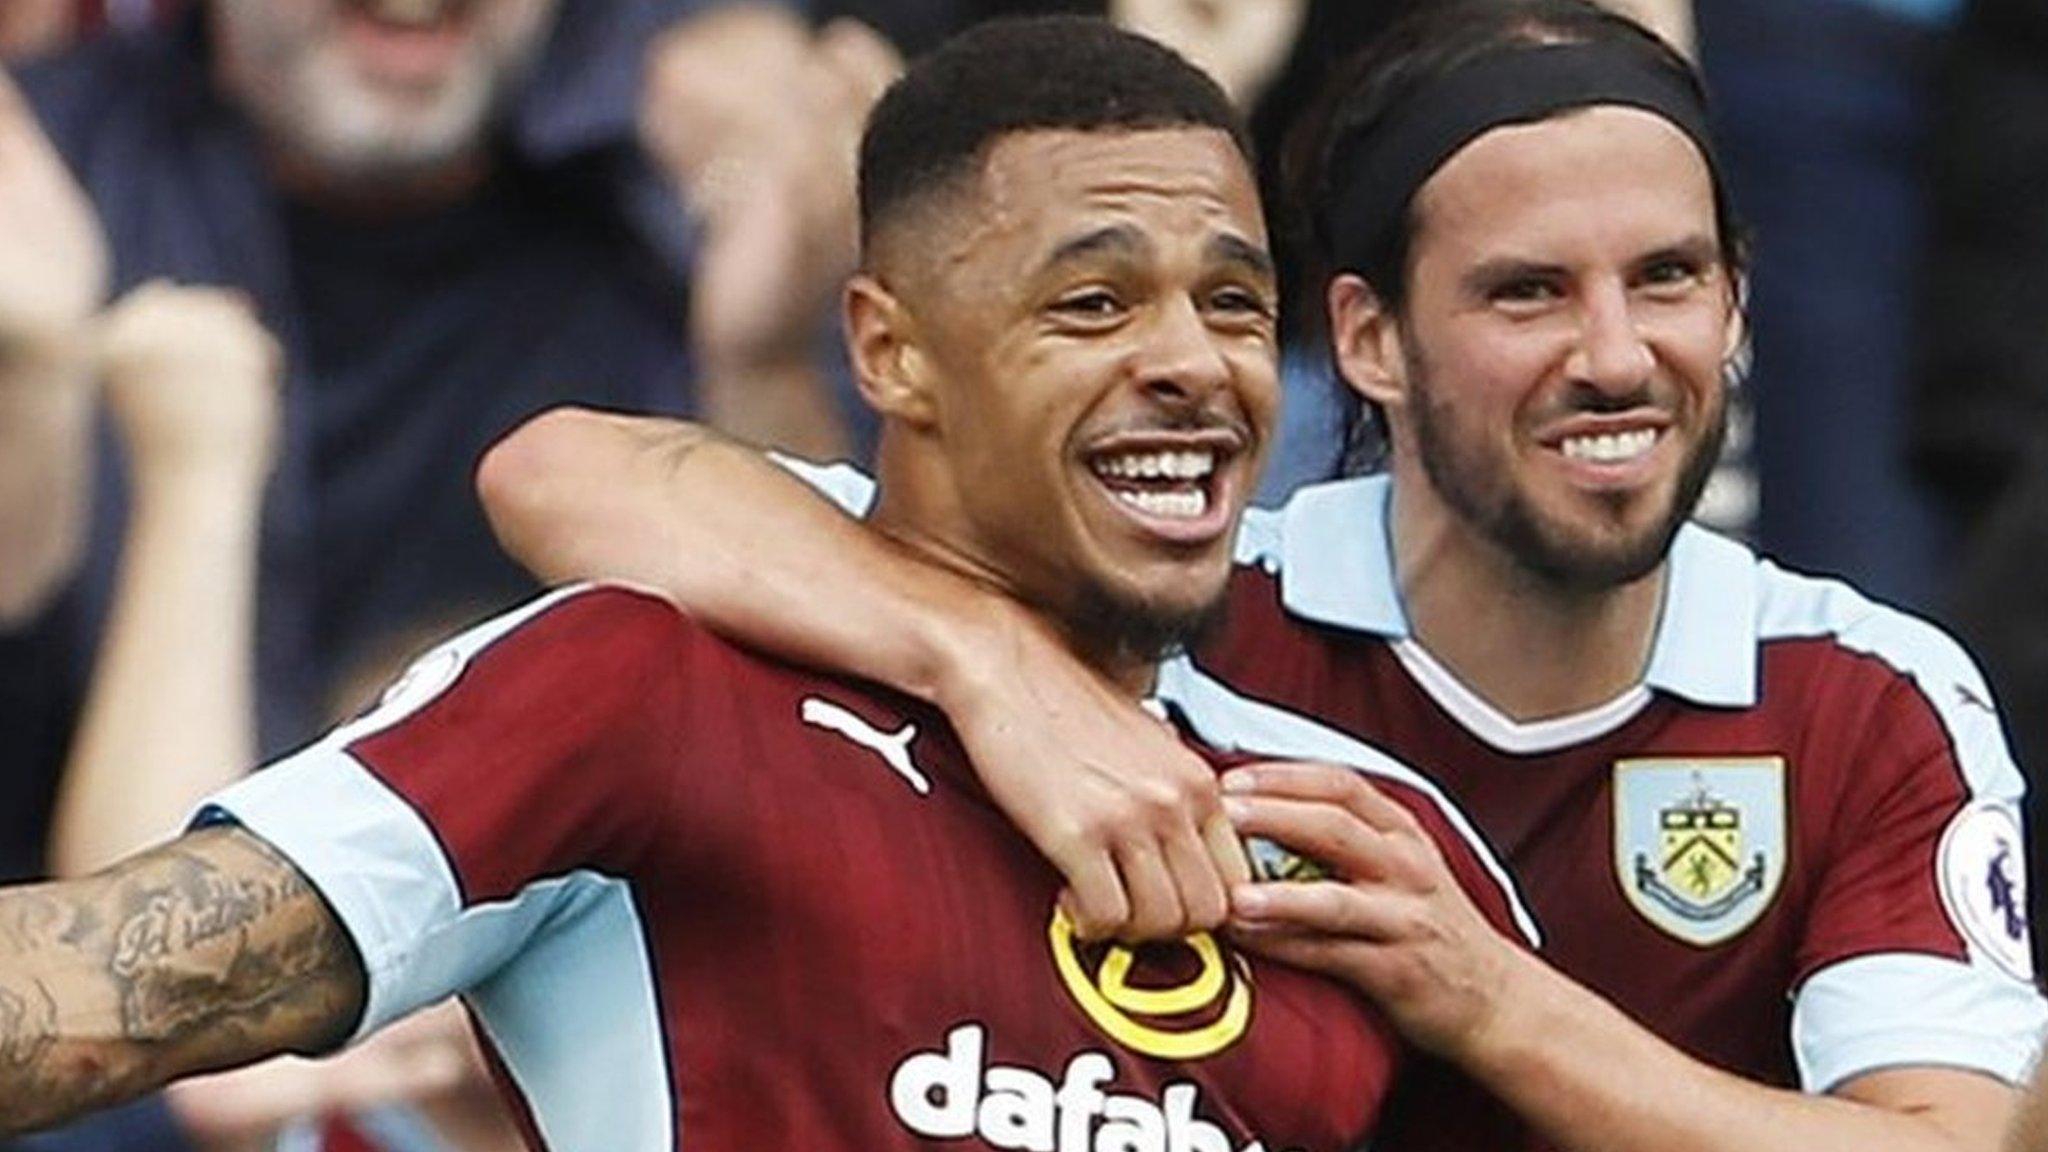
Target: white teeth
(1187, 504)
(1158, 465)
(1611, 447)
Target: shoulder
(582, 642)
(1238, 725)
(1796, 606)
(1821, 641)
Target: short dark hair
(936, 123)
(1431, 42)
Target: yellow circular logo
(1199, 1003)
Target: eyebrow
(1126, 241)
(1696, 247)
(1234, 249)
(1114, 240)
(1488, 273)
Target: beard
(1482, 491)
(1121, 630)
(301, 87)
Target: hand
(1243, 43)
(1109, 794)
(758, 124)
(53, 255)
(191, 379)
(1392, 922)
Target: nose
(1181, 360)
(1610, 354)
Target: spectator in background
(35, 27)
(1981, 418)
(190, 383)
(445, 214)
(1822, 117)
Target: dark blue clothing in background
(1821, 116)
(410, 345)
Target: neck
(1531, 649)
(906, 521)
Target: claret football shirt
(697, 899)
(1793, 850)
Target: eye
(1092, 303)
(1242, 301)
(1673, 272)
(1524, 291)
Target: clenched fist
(191, 378)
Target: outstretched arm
(1112, 799)
(206, 953)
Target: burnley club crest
(1699, 845)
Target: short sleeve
(489, 792)
(1916, 949)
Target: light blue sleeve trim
(382, 871)
(559, 974)
(1898, 1010)
(843, 484)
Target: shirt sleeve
(1917, 949)
(449, 828)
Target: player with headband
(1768, 826)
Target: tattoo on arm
(207, 952)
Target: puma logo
(892, 747)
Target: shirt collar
(1337, 567)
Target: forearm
(207, 953)
(2030, 1127)
(171, 715)
(735, 540)
(1592, 1080)
(45, 479)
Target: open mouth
(407, 44)
(1610, 447)
(1172, 484)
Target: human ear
(889, 362)
(1365, 340)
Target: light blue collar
(1335, 557)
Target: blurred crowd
(273, 273)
